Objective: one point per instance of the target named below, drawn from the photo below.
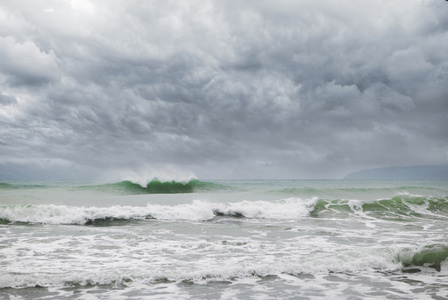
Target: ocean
(241, 239)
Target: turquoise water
(289, 239)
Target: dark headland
(407, 172)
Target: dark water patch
(231, 214)
(109, 221)
(5, 221)
(411, 270)
(162, 280)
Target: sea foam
(198, 210)
(146, 174)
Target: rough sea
(260, 239)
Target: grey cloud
(256, 88)
(24, 64)
(7, 100)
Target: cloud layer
(224, 89)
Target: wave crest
(287, 209)
(427, 256)
(154, 187)
(395, 208)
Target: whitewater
(227, 239)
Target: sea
(224, 239)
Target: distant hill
(409, 172)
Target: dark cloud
(24, 64)
(222, 88)
(7, 100)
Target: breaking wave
(388, 260)
(131, 188)
(399, 208)
(293, 208)
(396, 208)
(430, 256)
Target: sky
(221, 89)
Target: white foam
(92, 269)
(146, 174)
(198, 210)
(286, 209)
(61, 214)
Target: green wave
(9, 186)
(312, 191)
(397, 208)
(155, 187)
(429, 256)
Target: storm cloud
(223, 89)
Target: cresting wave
(397, 208)
(427, 258)
(431, 256)
(197, 211)
(131, 188)
(157, 187)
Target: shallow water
(225, 240)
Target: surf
(400, 208)
(126, 187)
(345, 262)
(198, 210)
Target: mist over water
(224, 239)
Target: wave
(395, 208)
(293, 208)
(399, 208)
(154, 187)
(389, 260)
(130, 188)
(157, 187)
(70, 215)
(430, 256)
